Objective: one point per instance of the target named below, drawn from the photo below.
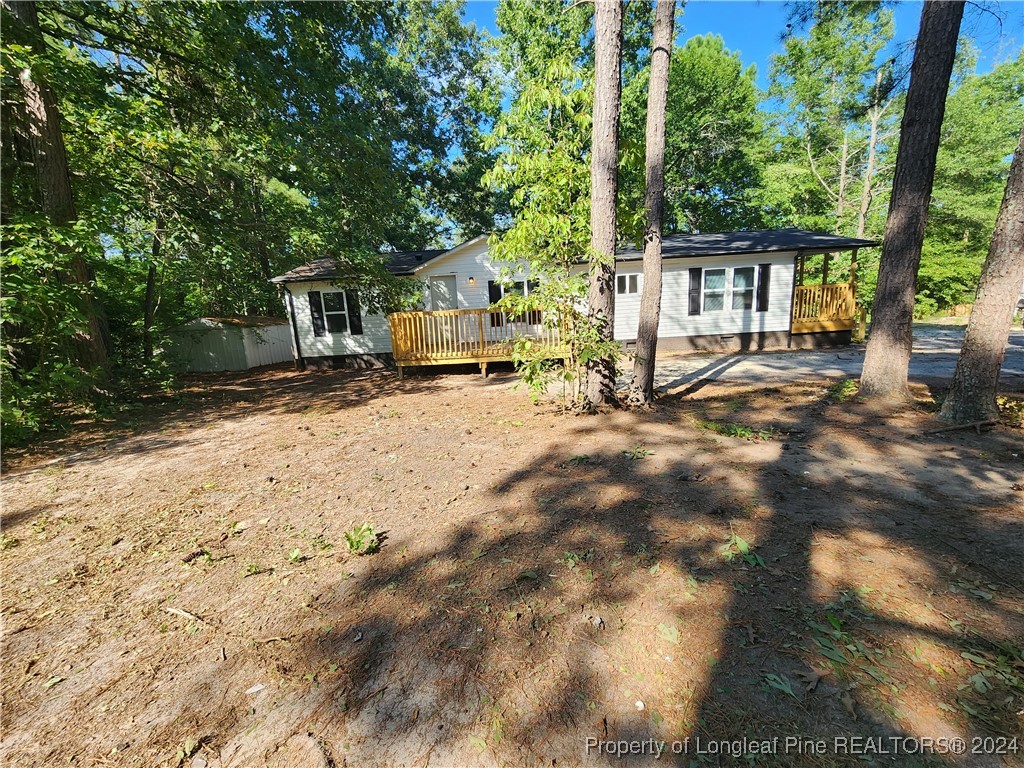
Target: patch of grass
(362, 540)
(742, 431)
(7, 541)
(571, 559)
(579, 461)
(253, 569)
(842, 390)
(637, 452)
(295, 556)
(321, 543)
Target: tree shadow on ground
(610, 593)
(636, 577)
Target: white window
(627, 284)
(714, 290)
(743, 288)
(335, 312)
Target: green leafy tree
(713, 148)
(543, 139)
(983, 115)
(214, 145)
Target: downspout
(792, 300)
(300, 361)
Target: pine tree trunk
(887, 360)
(972, 397)
(641, 390)
(42, 120)
(604, 178)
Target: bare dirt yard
(745, 562)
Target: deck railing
(830, 307)
(464, 335)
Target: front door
(443, 293)
(443, 296)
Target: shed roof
(240, 321)
(752, 241)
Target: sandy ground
(178, 590)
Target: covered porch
(826, 307)
(454, 336)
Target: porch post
(824, 268)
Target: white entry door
(443, 293)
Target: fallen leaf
(811, 677)
(847, 701)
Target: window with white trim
(626, 284)
(714, 290)
(336, 312)
(743, 288)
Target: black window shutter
(316, 309)
(696, 275)
(355, 320)
(764, 281)
(494, 296)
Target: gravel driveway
(935, 351)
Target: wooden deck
(819, 308)
(464, 336)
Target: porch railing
(831, 307)
(464, 335)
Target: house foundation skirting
(370, 360)
(750, 341)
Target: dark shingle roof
(398, 263)
(753, 241)
(405, 262)
(674, 246)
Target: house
(721, 291)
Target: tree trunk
(844, 161)
(641, 390)
(149, 307)
(887, 360)
(42, 120)
(972, 397)
(604, 178)
(869, 171)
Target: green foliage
(543, 167)
(362, 540)
(637, 452)
(828, 82)
(979, 132)
(214, 145)
(842, 390)
(738, 548)
(713, 140)
(42, 316)
(732, 429)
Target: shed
(209, 344)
